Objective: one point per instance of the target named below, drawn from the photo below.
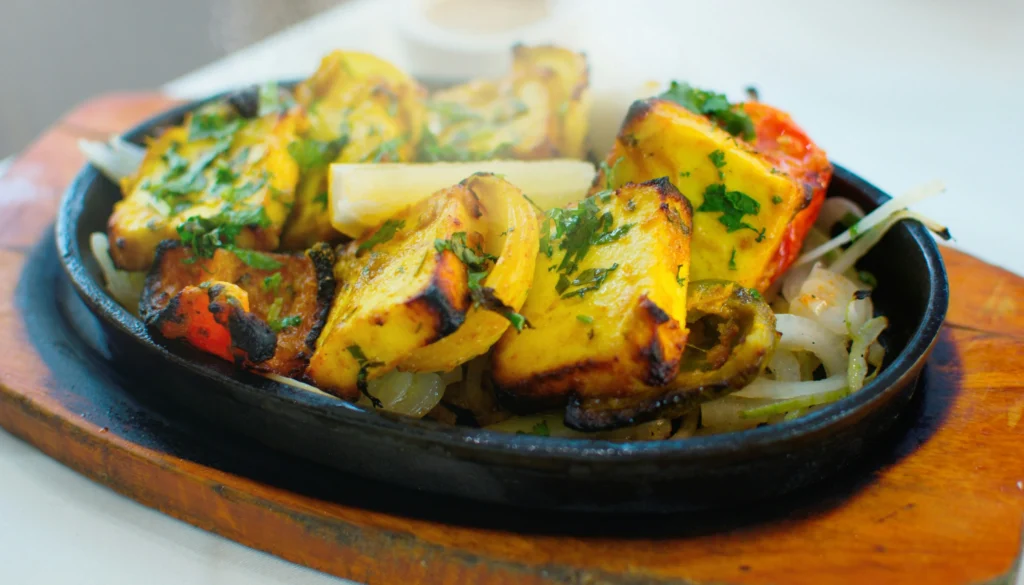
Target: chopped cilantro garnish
(272, 282)
(776, 199)
(313, 154)
(223, 177)
(715, 106)
(453, 112)
(755, 293)
(279, 323)
(615, 234)
(386, 151)
(383, 234)
(212, 125)
(243, 192)
(589, 280)
(475, 260)
(271, 100)
(733, 205)
(176, 164)
(205, 234)
(541, 429)
(684, 174)
(609, 172)
(364, 369)
(680, 280)
(257, 260)
(732, 260)
(585, 319)
(321, 198)
(717, 158)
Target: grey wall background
(57, 53)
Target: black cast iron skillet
(527, 470)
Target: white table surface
(900, 92)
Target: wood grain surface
(943, 505)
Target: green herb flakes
(364, 370)
(715, 106)
(732, 260)
(585, 319)
(272, 282)
(313, 154)
(733, 205)
(383, 234)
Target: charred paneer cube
(607, 308)
(281, 303)
(216, 167)
(742, 204)
(402, 287)
(359, 108)
(540, 110)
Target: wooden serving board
(943, 504)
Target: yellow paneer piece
(359, 108)
(627, 334)
(720, 175)
(397, 292)
(539, 111)
(246, 175)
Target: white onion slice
(858, 368)
(834, 210)
(124, 286)
(824, 298)
(784, 366)
(801, 333)
(765, 388)
(116, 159)
(874, 218)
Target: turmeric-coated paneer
(607, 308)
(401, 287)
(216, 165)
(742, 204)
(358, 108)
(540, 110)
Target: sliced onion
(405, 393)
(126, 287)
(872, 219)
(794, 280)
(785, 366)
(116, 159)
(859, 248)
(824, 298)
(722, 415)
(801, 402)
(765, 388)
(858, 311)
(801, 333)
(834, 210)
(687, 425)
(862, 340)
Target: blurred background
(58, 53)
(899, 91)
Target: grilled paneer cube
(402, 287)
(742, 205)
(539, 111)
(607, 307)
(216, 166)
(286, 295)
(359, 108)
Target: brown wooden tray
(943, 505)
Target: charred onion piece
(732, 336)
